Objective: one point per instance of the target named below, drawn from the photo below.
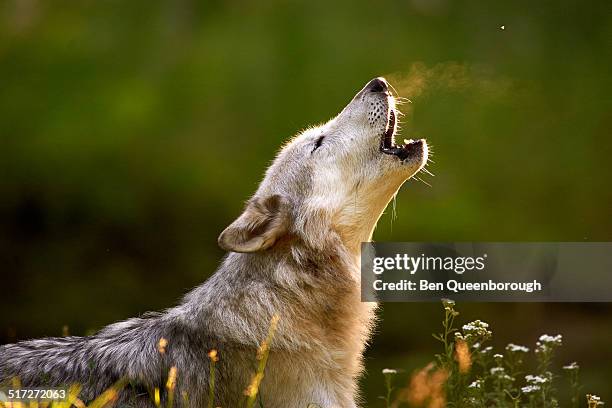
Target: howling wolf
(293, 252)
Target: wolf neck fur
(315, 292)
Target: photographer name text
(453, 285)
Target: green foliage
(132, 133)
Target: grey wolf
(293, 252)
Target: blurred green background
(132, 132)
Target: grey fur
(295, 255)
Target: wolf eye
(318, 143)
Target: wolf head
(336, 178)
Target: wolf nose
(377, 85)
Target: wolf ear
(263, 221)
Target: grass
(108, 398)
(466, 373)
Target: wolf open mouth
(387, 141)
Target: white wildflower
(515, 348)
(475, 325)
(487, 350)
(530, 389)
(497, 371)
(387, 371)
(546, 343)
(572, 366)
(547, 339)
(476, 331)
(536, 379)
(594, 400)
(448, 303)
